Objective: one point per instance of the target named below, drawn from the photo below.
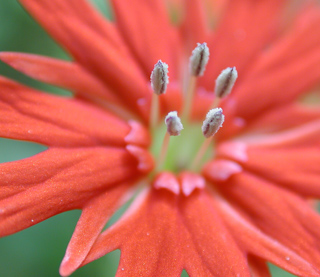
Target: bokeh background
(39, 250)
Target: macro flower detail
(214, 201)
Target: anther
(199, 59)
(224, 84)
(159, 80)
(210, 127)
(213, 122)
(197, 65)
(174, 127)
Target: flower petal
(289, 158)
(46, 12)
(51, 120)
(113, 66)
(237, 40)
(161, 227)
(159, 40)
(93, 218)
(255, 242)
(295, 169)
(269, 208)
(288, 69)
(195, 24)
(119, 72)
(284, 117)
(59, 73)
(57, 180)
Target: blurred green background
(39, 250)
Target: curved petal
(255, 242)
(119, 72)
(294, 169)
(94, 216)
(195, 25)
(161, 227)
(269, 208)
(47, 11)
(237, 40)
(61, 73)
(56, 121)
(289, 158)
(95, 52)
(159, 40)
(288, 69)
(283, 118)
(57, 180)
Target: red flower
(247, 205)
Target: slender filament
(163, 151)
(154, 113)
(189, 98)
(203, 149)
(216, 102)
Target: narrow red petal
(159, 40)
(195, 23)
(46, 12)
(269, 208)
(58, 72)
(255, 242)
(288, 158)
(57, 180)
(295, 169)
(113, 65)
(237, 40)
(93, 218)
(288, 69)
(117, 71)
(213, 243)
(284, 117)
(161, 227)
(51, 120)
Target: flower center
(182, 150)
(190, 150)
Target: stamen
(159, 81)
(210, 127)
(174, 127)
(159, 78)
(199, 59)
(213, 122)
(197, 65)
(224, 84)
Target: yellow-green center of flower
(182, 150)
